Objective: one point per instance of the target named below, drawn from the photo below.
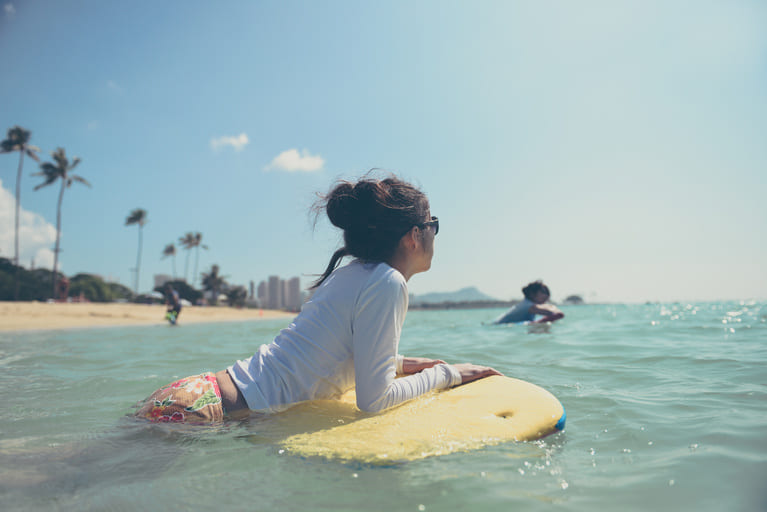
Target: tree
(236, 296)
(137, 216)
(95, 289)
(213, 282)
(184, 290)
(187, 242)
(170, 250)
(34, 283)
(18, 140)
(60, 169)
(192, 241)
(197, 244)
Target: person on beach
(173, 301)
(63, 289)
(347, 335)
(536, 295)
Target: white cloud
(36, 235)
(9, 9)
(114, 86)
(238, 142)
(293, 160)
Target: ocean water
(666, 410)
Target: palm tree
(197, 244)
(187, 242)
(192, 241)
(60, 169)
(213, 282)
(170, 250)
(137, 216)
(18, 140)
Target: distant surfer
(535, 303)
(173, 302)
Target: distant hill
(470, 294)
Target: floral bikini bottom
(194, 399)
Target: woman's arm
(549, 311)
(411, 365)
(470, 372)
(380, 313)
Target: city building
(293, 296)
(161, 279)
(276, 293)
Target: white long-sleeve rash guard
(346, 336)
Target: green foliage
(184, 291)
(137, 216)
(236, 296)
(36, 285)
(214, 282)
(96, 289)
(33, 284)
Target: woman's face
(427, 233)
(540, 297)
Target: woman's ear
(415, 237)
(410, 240)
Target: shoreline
(33, 316)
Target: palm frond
(170, 250)
(49, 168)
(18, 140)
(30, 151)
(80, 179)
(49, 179)
(18, 137)
(137, 216)
(188, 241)
(60, 156)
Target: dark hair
(532, 288)
(374, 215)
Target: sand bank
(40, 315)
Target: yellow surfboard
(488, 411)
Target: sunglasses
(433, 222)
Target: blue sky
(614, 149)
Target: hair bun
(342, 206)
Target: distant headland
(470, 298)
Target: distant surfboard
(488, 411)
(172, 317)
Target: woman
(347, 334)
(536, 295)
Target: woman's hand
(412, 365)
(470, 372)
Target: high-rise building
(275, 292)
(161, 279)
(263, 294)
(293, 296)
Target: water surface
(666, 407)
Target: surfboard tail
(561, 423)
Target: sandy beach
(16, 316)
